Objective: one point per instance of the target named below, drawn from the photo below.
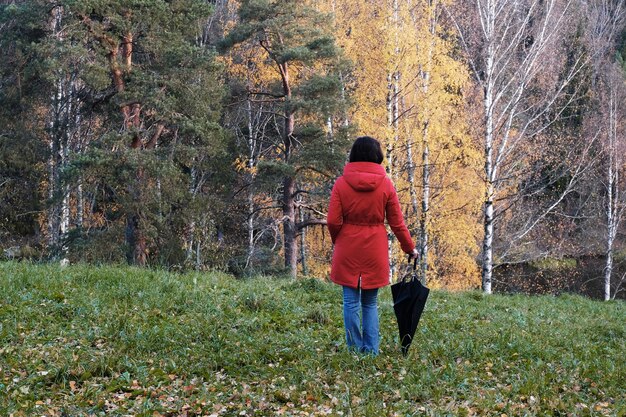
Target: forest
(207, 134)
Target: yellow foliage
(432, 83)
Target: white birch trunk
(62, 128)
(612, 198)
(250, 179)
(54, 211)
(79, 147)
(425, 215)
(191, 233)
(488, 101)
(53, 230)
(80, 203)
(487, 258)
(250, 226)
(424, 220)
(411, 176)
(393, 87)
(487, 255)
(389, 168)
(64, 153)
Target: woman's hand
(413, 255)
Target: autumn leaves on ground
(95, 341)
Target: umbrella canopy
(409, 299)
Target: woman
(359, 202)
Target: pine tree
(129, 101)
(306, 92)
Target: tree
(21, 153)
(606, 21)
(614, 148)
(409, 87)
(514, 53)
(447, 153)
(298, 42)
(126, 98)
(43, 67)
(164, 91)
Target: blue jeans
(361, 338)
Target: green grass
(122, 341)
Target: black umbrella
(409, 299)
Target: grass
(112, 341)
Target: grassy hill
(122, 341)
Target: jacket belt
(363, 224)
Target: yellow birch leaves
(404, 42)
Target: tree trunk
(55, 137)
(65, 219)
(191, 228)
(289, 183)
(608, 270)
(393, 90)
(389, 168)
(79, 146)
(411, 175)
(487, 259)
(80, 204)
(289, 226)
(250, 179)
(425, 215)
(136, 241)
(423, 242)
(303, 245)
(612, 196)
(489, 174)
(64, 154)
(412, 190)
(53, 174)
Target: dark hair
(366, 149)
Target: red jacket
(359, 203)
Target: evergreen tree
(160, 110)
(129, 102)
(25, 89)
(307, 94)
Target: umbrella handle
(414, 262)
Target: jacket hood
(364, 176)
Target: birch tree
(64, 136)
(615, 163)
(606, 21)
(512, 45)
(393, 114)
(55, 102)
(252, 118)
